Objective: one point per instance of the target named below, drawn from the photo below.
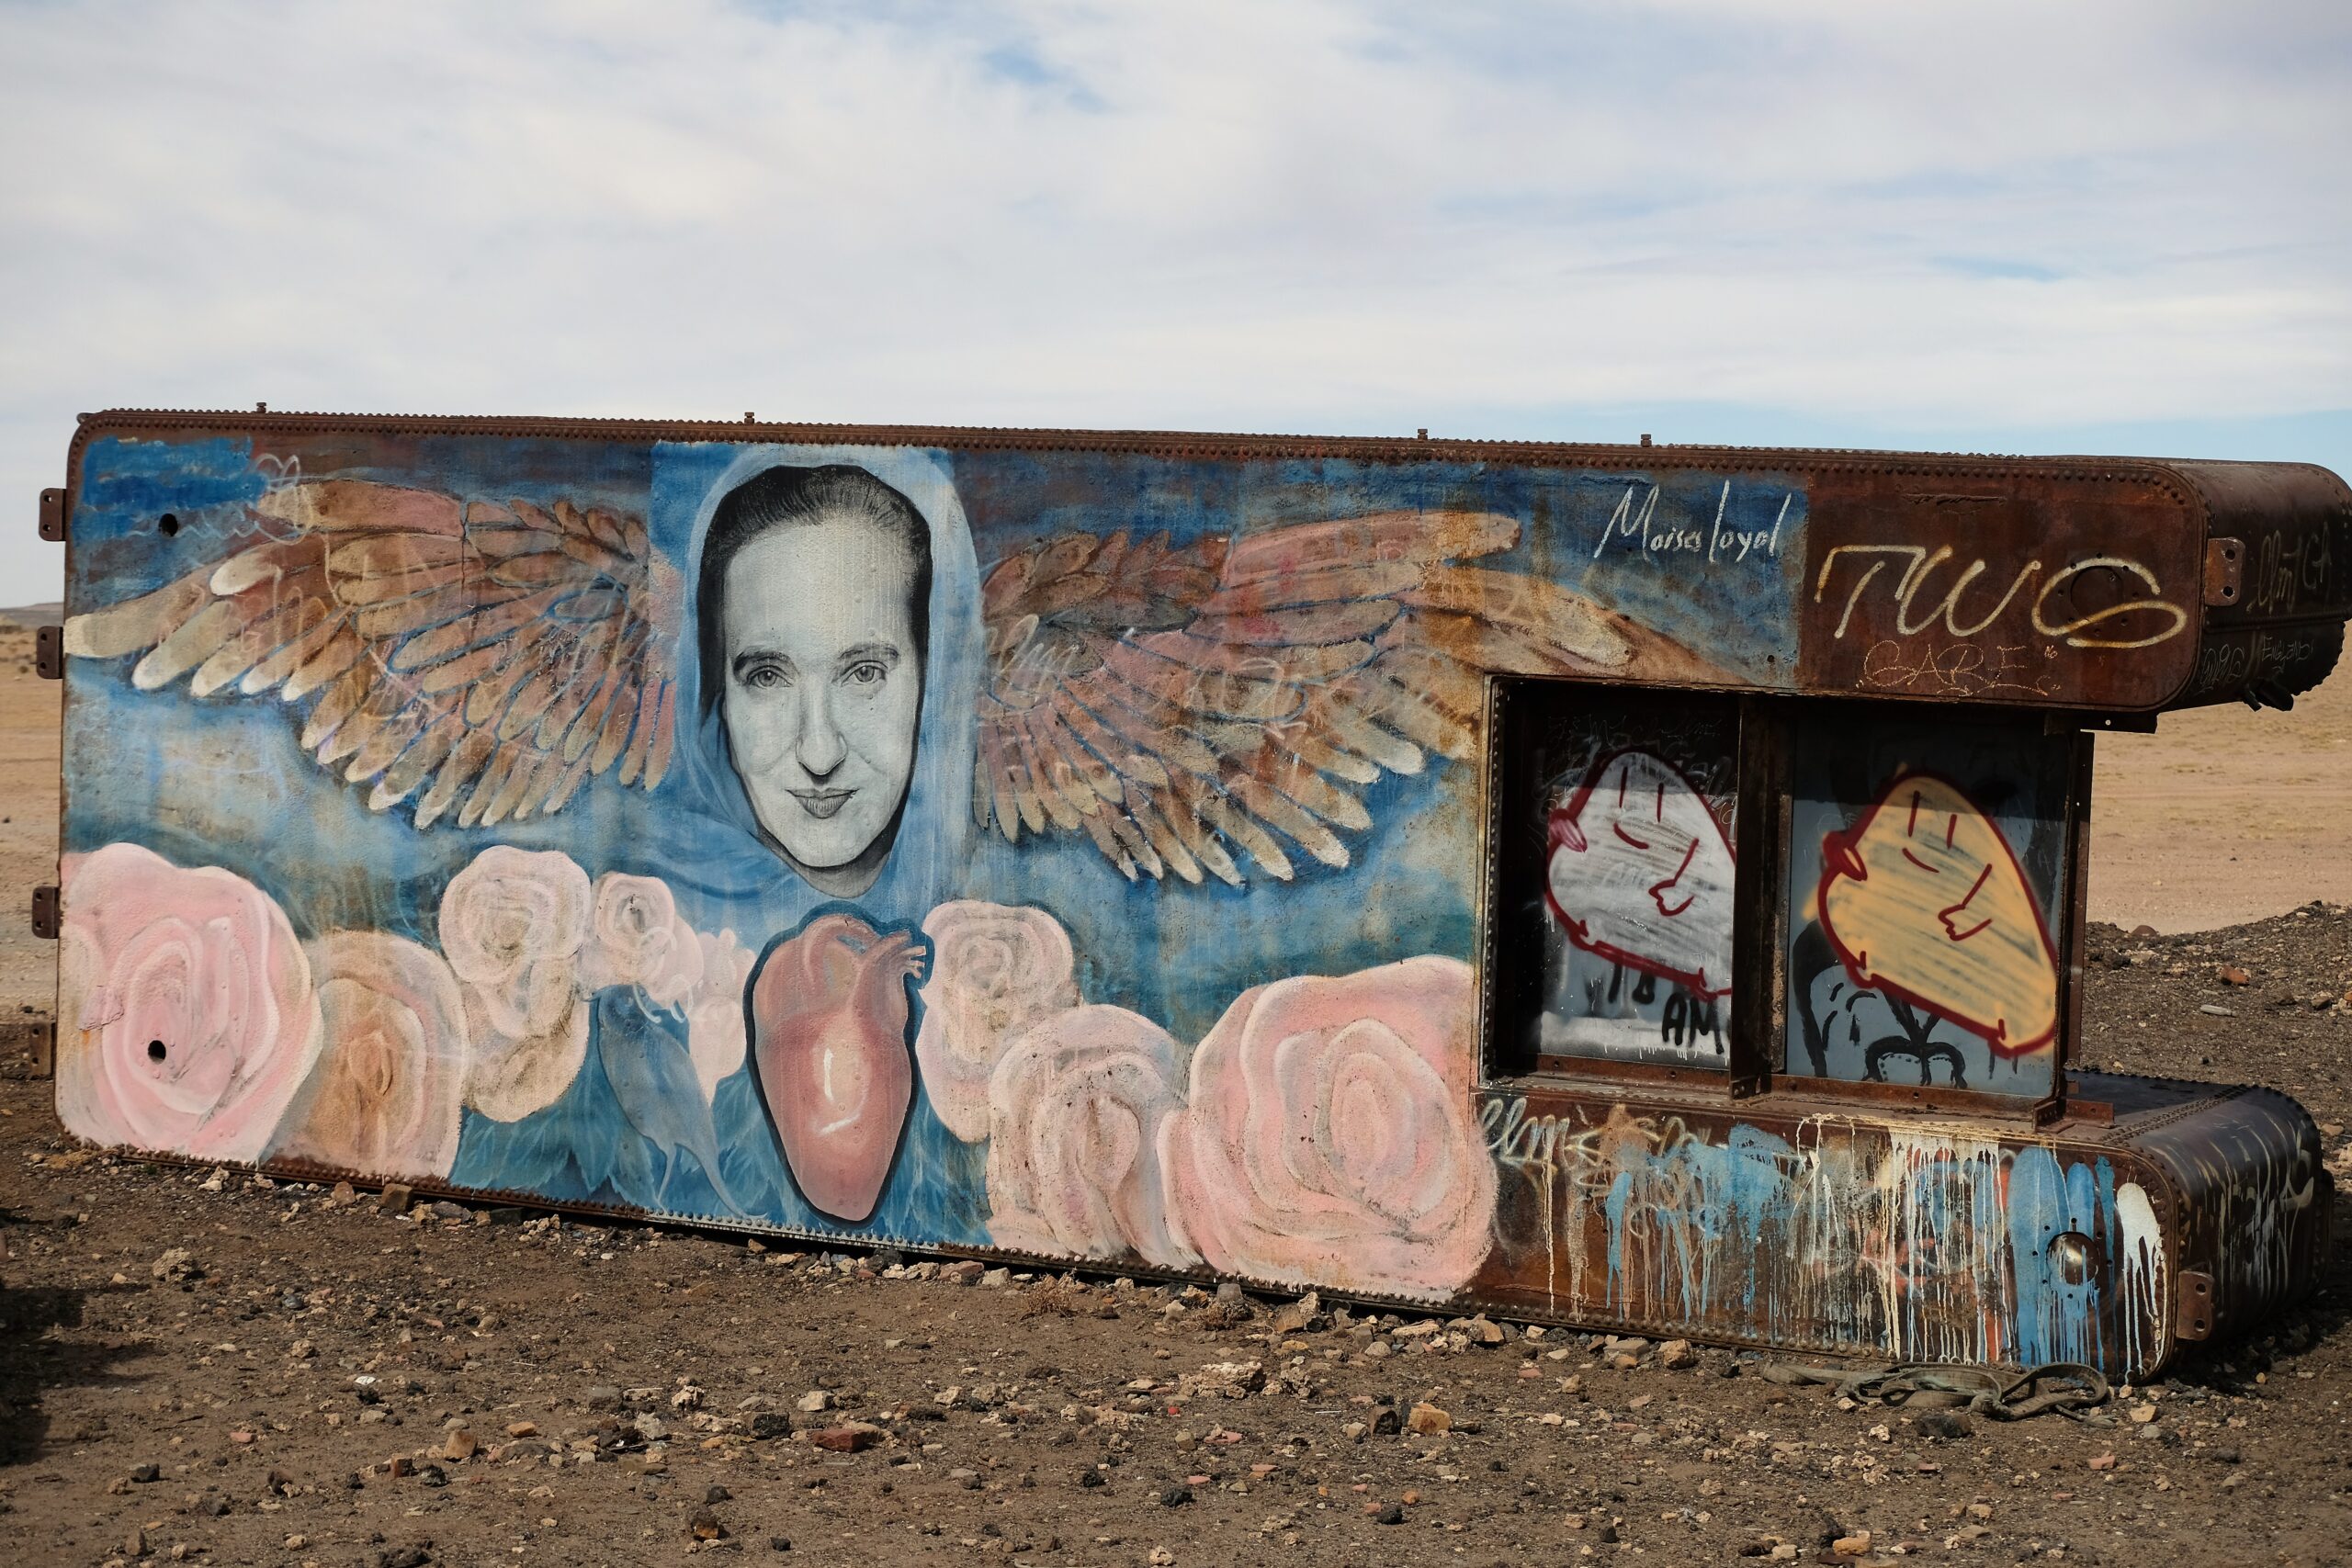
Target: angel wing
(486, 659)
(1179, 703)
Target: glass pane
(1926, 882)
(1613, 927)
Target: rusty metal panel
(1006, 841)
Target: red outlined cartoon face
(1923, 898)
(1640, 873)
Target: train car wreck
(1635, 887)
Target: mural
(1067, 853)
(1921, 905)
(1936, 1246)
(1614, 884)
(779, 834)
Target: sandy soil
(2225, 815)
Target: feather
(1131, 839)
(1200, 689)
(1286, 815)
(1328, 585)
(1101, 777)
(409, 769)
(994, 769)
(466, 760)
(618, 716)
(491, 780)
(573, 775)
(361, 506)
(259, 639)
(1335, 711)
(1164, 842)
(337, 655)
(271, 561)
(1197, 838)
(449, 621)
(341, 701)
(283, 663)
(1301, 740)
(1300, 626)
(190, 643)
(1065, 795)
(380, 750)
(379, 566)
(657, 757)
(1097, 827)
(640, 735)
(1217, 812)
(136, 625)
(1379, 537)
(1112, 749)
(1259, 661)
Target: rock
(143, 1473)
(2142, 1414)
(344, 1192)
(1388, 1423)
(1296, 1317)
(445, 1209)
(1427, 1420)
(888, 1258)
(779, 1544)
(815, 1400)
(1949, 1426)
(2225, 1455)
(404, 1557)
(1226, 1379)
(1482, 1332)
(1354, 1431)
(1853, 1545)
(459, 1446)
(135, 1543)
(1394, 1514)
(1675, 1355)
(1175, 1496)
(849, 1438)
(395, 1198)
(767, 1425)
(996, 1279)
(705, 1526)
(1427, 1328)
(521, 1429)
(650, 1427)
(175, 1265)
(2101, 1462)
(2209, 1010)
(1377, 1350)
(604, 1396)
(433, 1475)
(1090, 1477)
(2231, 974)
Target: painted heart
(829, 1009)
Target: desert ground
(206, 1367)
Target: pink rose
(637, 939)
(512, 924)
(187, 1016)
(995, 971)
(383, 1099)
(1330, 1139)
(715, 1037)
(1077, 1106)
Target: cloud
(1859, 222)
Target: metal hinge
(2225, 571)
(52, 516)
(47, 915)
(49, 652)
(2194, 1317)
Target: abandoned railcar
(1637, 887)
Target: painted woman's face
(824, 688)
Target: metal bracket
(2194, 1316)
(47, 916)
(52, 516)
(49, 652)
(2224, 571)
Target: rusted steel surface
(1639, 885)
(1923, 1238)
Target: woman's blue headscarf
(633, 1129)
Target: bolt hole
(155, 1050)
(168, 524)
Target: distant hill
(47, 614)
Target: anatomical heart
(829, 1012)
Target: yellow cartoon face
(1923, 898)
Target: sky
(2114, 226)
